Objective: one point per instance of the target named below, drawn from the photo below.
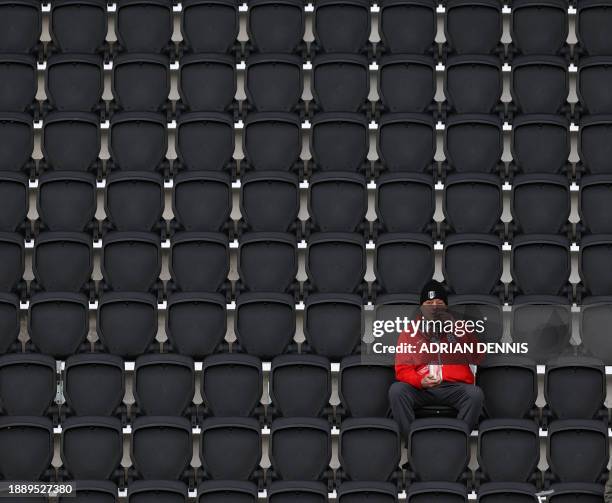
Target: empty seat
(595, 144)
(508, 450)
(393, 253)
(472, 203)
(127, 323)
(28, 384)
(58, 323)
(473, 84)
(337, 202)
(18, 82)
(186, 314)
(287, 491)
(21, 26)
(586, 378)
(131, 261)
(405, 202)
(219, 491)
(311, 437)
(232, 385)
(369, 449)
(407, 26)
(594, 204)
(594, 313)
(78, 26)
(333, 324)
(341, 25)
(300, 385)
(539, 27)
(16, 141)
(509, 385)
(406, 142)
(267, 262)
(10, 322)
(14, 202)
(62, 261)
(335, 262)
(138, 141)
(264, 323)
(74, 82)
(161, 447)
(480, 307)
(199, 261)
(473, 143)
(144, 26)
(340, 82)
(595, 252)
(209, 25)
(271, 142)
(572, 493)
(83, 435)
(449, 492)
(592, 21)
(141, 82)
(159, 491)
(540, 264)
(407, 83)
(363, 387)
(207, 82)
(230, 448)
(273, 82)
(339, 142)
(164, 384)
(540, 144)
(201, 201)
(27, 447)
(269, 201)
(276, 26)
(593, 81)
(573, 439)
(539, 84)
(12, 255)
(204, 142)
(97, 491)
(94, 384)
(473, 27)
(507, 491)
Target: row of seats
(300, 385)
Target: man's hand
(430, 381)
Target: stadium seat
(594, 252)
(507, 491)
(595, 311)
(593, 205)
(340, 82)
(164, 384)
(14, 202)
(19, 83)
(12, 255)
(232, 385)
(473, 27)
(473, 84)
(209, 25)
(341, 26)
(539, 27)
(592, 80)
(140, 82)
(571, 493)
(287, 491)
(594, 145)
(74, 82)
(539, 84)
(273, 82)
(100, 491)
(276, 27)
(591, 21)
(166, 491)
(144, 26)
(220, 491)
(28, 447)
(407, 26)
(300, 386)
(78, 26)
(21, 26)
(207, 82)
(480, 307)
(16, 141)
(449, 492)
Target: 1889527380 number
(31, 488)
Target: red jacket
(411, 368)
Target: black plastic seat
(593, 81)
(594, 204)
(473, 84)
(207, 82)
(219, 491)
(333, 324)
(341, 26)
(276, 27)
(210, 25)
(595, 251)
(158, 491)
(28, 384)
(480, 307)
(93, 491)
(161, 447)
(353, 492)
(164, 384)
(595, 144)
(407, 83)
(16, 142)
(571, 493)
(94, 384)
(232, 385)
(12, 255)
(144, 26)
(18, 82)
(340, 82)
(74, 82)
(264, 323)
(287, 491)
(406, 142)
(199, 261)
(230, 448)
(28, 447)
(204, 141)
(509, 491)
(407, 26)
(187, 313)
(78, 26)
(473, 27)
(271, 141)
(83, 435)
(273, 82)
(539, 84)
(595, 311)
(14, 201)
(10, 322)
(539, 27)
(58, 322)
(592, 21)
(21, 26)
(127, 323)
(449, 492)
(141, 82)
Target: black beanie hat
(434, 290)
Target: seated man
(427, 379)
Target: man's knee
(474, 395)
(401, 391)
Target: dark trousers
(404, 399)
